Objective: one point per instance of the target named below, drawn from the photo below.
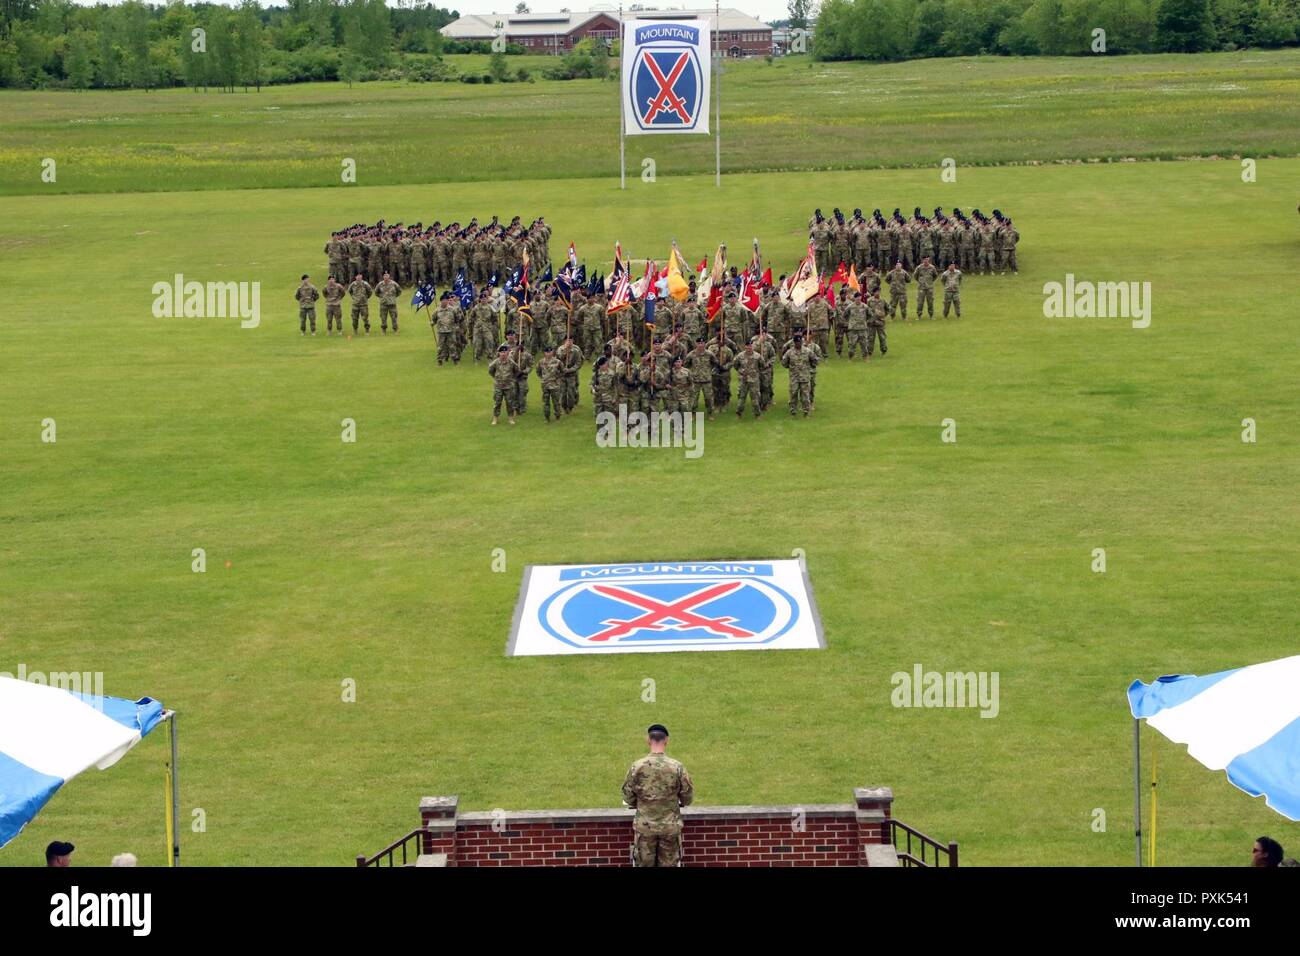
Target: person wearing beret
(657, 787)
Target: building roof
(480, 26)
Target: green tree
(1184, 26)
(77, 62)
(800, 11)
(249, 43)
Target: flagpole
(622, 120)
(1137, 784)
(717, 94)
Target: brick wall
(849, 834)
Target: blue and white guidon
(664, 606)
(1244, 721)
(666, 76)
(48, 735)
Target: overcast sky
(763, 9)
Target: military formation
(974, 243)
(678, 358)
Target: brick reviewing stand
(851, 834)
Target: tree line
(911, 29)
(56, 43)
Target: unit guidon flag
(664, 606)
(666, 76)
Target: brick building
(738, 34)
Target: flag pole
(1137, 784)
(717, 94)
(622, 120)
(173, 796)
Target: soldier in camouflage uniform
(334, 292)
(700, 363)
(951, 290)
(551, 371)
(898, 278)
(749, 380)
(387, 292)
(681, 387)
(570, 357)
(336, 250)
(857, 322)
(925, 275)
(444, 324)
(604, 386)
(360, 291)
(483, 327)
(799, 359)
(765, 346)
(306, 294)
(1010, 236)
(876, 312)
(657, 787)
(523, 360)
(723, 355)
(839, 319)
(503, 373)
(819, 322)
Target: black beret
(657, 729)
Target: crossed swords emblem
(680, 610)
(666, 101)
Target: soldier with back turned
(657, 787)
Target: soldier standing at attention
(306, 294)
(925, 275)
(749, 373)
(484, 327)
(799, 360)
(334, 292)
(444, 324)
(360, 291)
(951, 290)
(502, 371)
(551, 371)
(898, 278)
(570, 357)
(876, 312)
(858, 323)
(657, 787)
(387, 292)
(700, 365)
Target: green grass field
(372, 561)
(791, 114)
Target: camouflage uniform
(570, 357)
(765, 346)
(857, 328)
(307, 294)
(749, 377)
(876, 312)
(800, 359)
(360, 291)
(551, 371)
(483, 326)
(925, 275)
(523, 360)
(951, 290)
(819, 323)
(604, 388)
(681, 389)
(699, 362)
(387, 293)
(723, 356)
(444, 322)
(503, 373)
(898, 279)
(657, 787)
(821, 241)
(1009, 239)
(334, 292)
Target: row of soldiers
(975, 243)
(413, 254)
(587, 321)
(551, 319)
(672, 375)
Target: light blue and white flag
(1244, 721)
(49, 735)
